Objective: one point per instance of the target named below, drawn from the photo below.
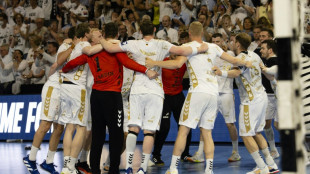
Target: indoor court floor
(13, 153)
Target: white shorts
(199, 109)
(226, 106)
(252, 117)
(74, 104)
(145, 111)
(272, 109)
(88, 126)
(126, 108)
(50, 103)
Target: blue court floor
(12, 154)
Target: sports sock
(50, 157)
(84, 155)
(71, 163)
(174, 162)
(268, 157)
(200, 148)
(33, 153)
(130, 147)
(270, 137)
(66, 160)
(235, 145)
(145, 159)
(209, 165)
(258, 160)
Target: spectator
(49, 57)
(179, 18)
(78, 12)
(6, 71)
(164, 8)
(93, 23)
(168, 33)
(240, 10)
(37, 71)
(11, 11)
(265, 10)
(103, 11)
(54, 31)
(65, 11)
(5, 29)
(40, 30)
(227, 27)
(32, 13)
(203, 20)
(123, 35)
(256, 42)
(204, 11)
(263, 21)
(20, 69)
(189, 7)
(247, 27)
(20, 33)
(219, 11)
(35, 42)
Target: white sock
(209, 165)
(145, 159)
(270, 137)
(130, 148)
(84, 155)
(258, 160)
(50, 157)
(235, 145)
(200, 148)
(268, 157)
(71, 163)
(33, 153)
(175, 162)
(107, 162)
(66, 160)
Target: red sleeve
(81, 60)
(129, 63)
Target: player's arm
(52, 69)
(169, 64)
(81, 60)
(188, 50)
(234, 72)
(90, 50)
(110, 47)
(235, 61)
(63, 56)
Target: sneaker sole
(231, 160)
(275, 171)
(44, 169)
(82, 170)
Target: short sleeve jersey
(156, 50)
(199, 68)
(250, 80)
(79, 74)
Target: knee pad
(149, 134)
(132, 132)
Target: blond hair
(195, 28)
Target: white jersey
(250, 80)
(5, 34)
(225, 83)
(156, 50)
(54, 78)
(21, 42)
(127, 79)
(199, 68)
(79, 74)
(81, 11)
(9, 12)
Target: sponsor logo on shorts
(246, 117)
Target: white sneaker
(174, 171)
(150, 163)
(234, 157)
(197, 158)
(257, 170)
(274, 154)
(209, 172)
(273, 169)
(65, 171)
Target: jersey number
(98, 66)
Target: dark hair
(270, 32)
(244, 39)
(20, 52)
(110, 30)
(271, 44)
(55, 44)
(81, 30)
(128, 12)
(147, 27)
(71, 32)
(258, 26)
(18, 14)
(215, 35)
(36, 39)
(184, 34)
(53, 20)
(5, 17)
(251, 20)
(176, 1)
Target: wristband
(146, 70)
(72, 46)
(224, 73)
(194, 50)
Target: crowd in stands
(32, 30)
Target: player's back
(199, 67)
(250, 80)
(79, 74)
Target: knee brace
(149, 134)
(132, 132)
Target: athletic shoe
(209, 172)
(31, 165)
(274, 154)
(83, 167)
(187, 158)
(129, 171)
(65, 170)
(273, 169)
(174, 171)
(234, 157)
(197, 158)
(48, 167)
(157, 161)
(141, 171)
(106, 167)
(257, 170)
